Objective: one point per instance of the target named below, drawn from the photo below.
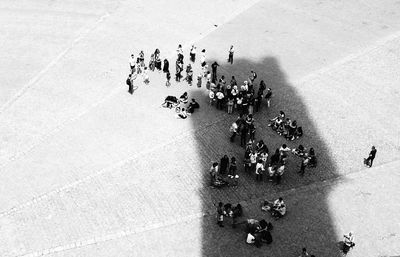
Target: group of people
(180, 104)
(224, 173)
(286, 127)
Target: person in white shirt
(132, 63)
(348, 242)
(259, 170)
(180, 52)
(230, 57)
(220, 99)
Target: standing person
(180, 52)
(231, 101)
(253, 161)
(193, 54)
(224, 164)
(234, 130)
(253, 76)
(214, 72)
(304, 162)
(220, 214)
(268, 96)
(279, 172)
(152, 63)
(230, 57)
(220, 100)
(259, 170)
(157, 59)
(257, 101)
(243, 135)
(251, 104)
(304, 253)
(252, 132)
(179, 69)
(189, 74)
(199, 78)
(233, 167)
(203, 58)
(145, 76)
(368, 161)
(166, 66)
(132, 63)
(168, 76)
(214, 172)
(129, 82)
(262, 87)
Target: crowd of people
(246, 100)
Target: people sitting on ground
(193, 105)
(299, 151)
(277, 208)
(184, 98)
(291, 130)
(182, 114)
(170, 101)
(264, 231)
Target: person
(253, 76)
(214, 71)
(230, 56)
(180, 52)
(279, 172)
(257, 101)
(214, 172)
(141, 58)
(157, 59)
(189, 74)
(283, 150)
(259, 170)
(199, 78)
(220, 99)
(304, 253)
(234, 130)
(279, 208)
(203, 58)
(220, 214)
(312, 158)
(368, 161)
(193, 106)
(182, 114)
(268, 97)
(243, 135)
(261, 147)
(129, 82)
(253, 160)
(152, 62)
(166, 66)
(179, 69)
(230, 104)
(348, 242)
(132, 63)
(299, 151)
(232, 167)
(168, 76)
(252, 132)
(145, 76)
(224, 164)
(184, 97)
(211, 96)
(193, 54)
(262, 87)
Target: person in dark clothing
(275, 158)
(179, 69)
(193, 106)
(220, 214)
(166, 66)
(214, 72)
(257, 101)
(157, 59)
(130, 83)
(224, 164)
(368, 161)
(243, 135)
(233, 167)
(304, 162)
(230, 56)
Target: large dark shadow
(307, 223)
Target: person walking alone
(368, 162)
(230, 57)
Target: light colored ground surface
(82, 159)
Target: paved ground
(89, 168)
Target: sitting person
(170, 101)
(299, 132)
(291, 130)
(348, 242)
(277, 208)
(264, 231)
(312, 159)
(182, 114)
(299, 151)
(261, 147)
(184, 98)
(192, 106)
(276, 124)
